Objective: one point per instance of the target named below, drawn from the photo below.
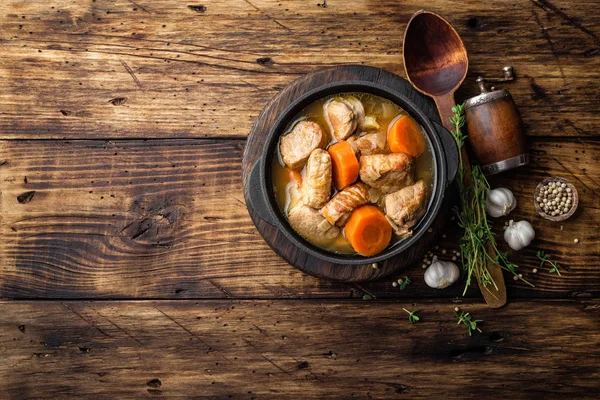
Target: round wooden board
(254, 146)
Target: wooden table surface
(129, 267)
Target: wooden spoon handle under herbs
(494, 297)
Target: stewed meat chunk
(311, 225)
(357, 108)
(344, 115)
(405, 207)
(346, 201)
(372, 143)
(386, 172)
(295, 147)
(316, 185)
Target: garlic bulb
(441, 274)
(518, 234)
(499, 202)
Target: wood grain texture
(92, 216)
(166, 219)
(100, 69)
(290, 349)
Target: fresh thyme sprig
(478, 240)
(405, 282)
(468, 320)
(413, 318)
(546, 259)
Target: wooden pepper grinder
(495, 129)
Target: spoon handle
(444, 105)
(494, 298)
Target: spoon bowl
(435, 57)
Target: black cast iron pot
(445, 163)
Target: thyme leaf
(413, 318)
(468, 321)
(546, 260)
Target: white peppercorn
(554, 198)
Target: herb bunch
(478, 240)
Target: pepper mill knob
(509, 73)
(482, 85)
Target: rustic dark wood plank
(133, 218)
(166, 219)
(291, 349)
(99, 69)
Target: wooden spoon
(436, 63)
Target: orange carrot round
(405, 136)
(368, 231)
(345, 164)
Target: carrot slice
(405, 136)
(368, 231)
(345, 164)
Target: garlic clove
(441, 274)
(499, 202)
(519, 234)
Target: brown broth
(385, 112)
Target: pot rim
(278, 128)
